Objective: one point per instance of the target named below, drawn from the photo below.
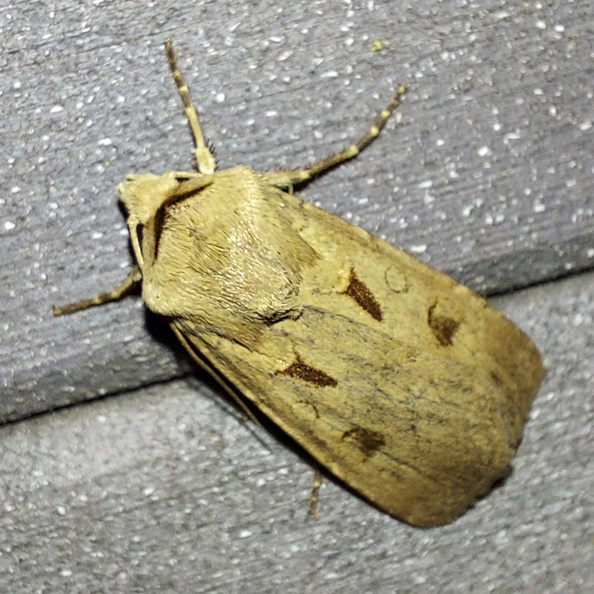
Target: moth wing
(399, 381)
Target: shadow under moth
(397, 380)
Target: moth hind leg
(114, 295)
(289, 178)
(314, 496)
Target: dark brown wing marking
(442, 326)
(304, 372)
(359, 292)
(368, 441)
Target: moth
(400, 382)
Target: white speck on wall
(539, 207)
(245, 533)
(104, 142)
(541, 25)
(585, 125)
(284, 56)
(271, 114)
(424, 185)
(511, 136)
(420, 248)
(9, 225)
(501, 15)
(57, 109)
(484, 151)
(220, 97)
(329, 74)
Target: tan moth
(399, 381)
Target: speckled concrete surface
(486, 173)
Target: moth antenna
(288, 178)
(204, 158)
(354, 149)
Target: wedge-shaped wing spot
(443, 326)
(363, 297)
(367, 440)
(300, 370)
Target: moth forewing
(399, 381)
(420, 416)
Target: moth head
(143, 194)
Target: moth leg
(289, 178)
(204, 158)
(134, 276)
(314, 497)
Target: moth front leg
(134, 276)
